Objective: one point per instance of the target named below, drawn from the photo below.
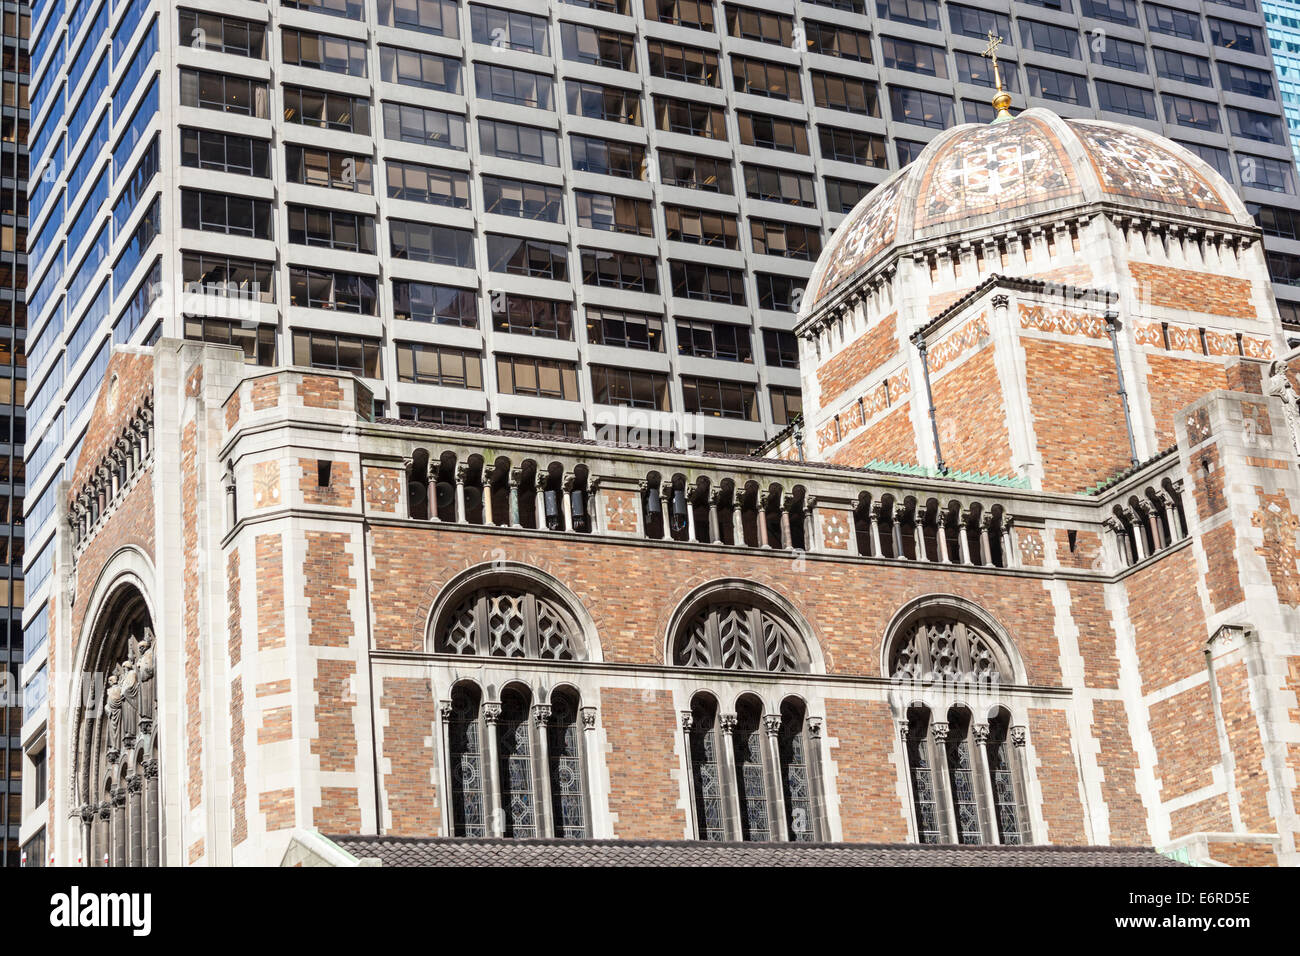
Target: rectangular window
(623, 329)
(337, 353)
(425, 127)
(538, 377)
(332, 229)
(611, 213)
(780, 185)
(1130, 100)
(785, 239)
(976, 23)
(524, 200)
(720, 399)
(425, 364)
(780, 349)
(787, 405)
(548, 427)
(703, 227)
(692, 171)
(257, 341)
(1056, 85)
(1184, 68)
(535, 258)
(227, 152)
(762, 78)
(416, 182)
(1047, 38)
(833, 91)
(329, 168)
(428, 242)
(220, 212)
(438, 17)
(520, 87)
(438, 304)
(920, 107)
(321, 51)
(336, 111)
(508, 29)
(221, 34)
(973, 68)
(227, 94)
(1237, 36)
(1175, 23)
(690, 118)
(914, 57)
(432, 415)
(584, 44)
(779, 293)
(348, 9)
(772, 132)
(714, 340)
(427, 71)
(691, 280)
(1216, 157)
(629, 388)
(1120, 54)
(1277, 175)
(608, 157)
(695, 14)
(527, 144)
(1195, 113)
(206, 274)
(852, 146)
(829, 39)
(595, 101)
(1247, 81)
(750, 24)
(922, 13)
(1251, 124)
(686, 64)
(327, 289)
(1116, 11)
(608, 269)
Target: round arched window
(739, 636)
(510, 622)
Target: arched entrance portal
(117, 753)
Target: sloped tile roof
(443, 851)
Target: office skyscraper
(13, 382)
(541, 216)
(1282, 19)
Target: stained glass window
(795, 778)
(509, 622)
(705, 772)
(747, 739)
(564, 742)
(515, 755)
(948, 650)
(1004, 790)
(961, 779)
(918, 765)
(466, 755)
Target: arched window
(751, 771)
(706, 777)
(948, 649)
(961, 777)
(465, 756)
(515, 753)
(510, 622)
(564, 740)
(919, 768)
(796, 778)
(117, 755)
(1002, 773)
(739, 636)
(536, 785)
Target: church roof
(445, 851)
(1035, 164)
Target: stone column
(516, 475)
(118, 824)
(664, 503)
(816, 801)
(963, 535)
(1018, 761)
(737, 525)
(87, 814)
(715, 530)
(492, 773)
(444, 769)
(979, 768)
(103, 834)
(697, 812)
(944, 810)
(941, 535)
(542, 771)
(874, 515)
(1009, 556)
(460, 493)
(810, 533)
(762, 521)
(986, 554)
(1139, 539)
(134, 821)
(727, 769)
(778, 825)
(485, 484)
(787, 539)
(589, 758)
(896, 530)
(918, 525)
(539, 509)
(691, 492)
(566, 505)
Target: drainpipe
(919, 341)
(1112, 327)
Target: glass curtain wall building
(13, 390)
(1282, 19)
(545, 216)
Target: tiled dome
(978, 175)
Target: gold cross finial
(1002, 101)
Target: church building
(1025, 575)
